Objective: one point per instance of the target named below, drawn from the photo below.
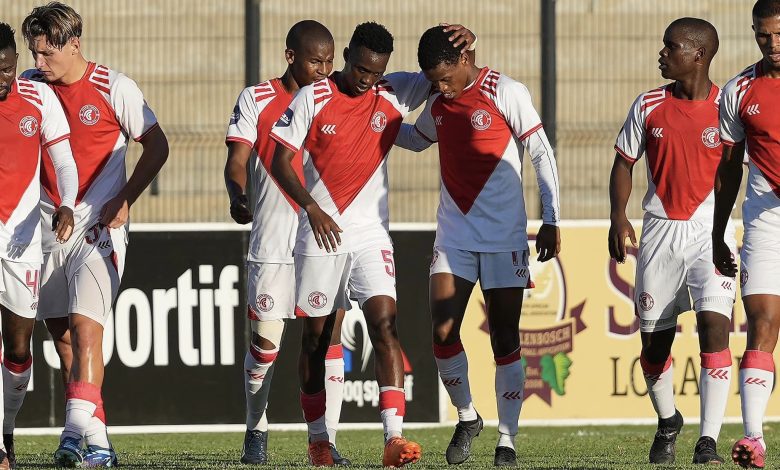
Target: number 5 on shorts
(387, 256)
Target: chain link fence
(188, 57)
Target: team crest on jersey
(265, 302)
(378, 121)
(711, 137)
(89, 114)
(317, 299)
(646, 301)
(28, 126)
(286, 119)
(481, 120)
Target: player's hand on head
(723, 259)
(548, 242)
(63, 224)
(239, 209)
(325, 229)
(461, 36)
(619, 230)
(115, 212)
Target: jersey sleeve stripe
(530, 132)
(422, 134)
(102, 88)
(31, 97)
(101, 79)
(239, 140)
(56, 141)
(284, 142)
(141, 137)
(259, 98)
(624, 154)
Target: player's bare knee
(313, 341)
(445, 334)
(504, 342)
(16, 351)
(656, 353)
(382, 330)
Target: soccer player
(748, 118)
(482, 121)
(80, 279)
(33, 121)
(346, 125)
(676, 127)
(271, 272)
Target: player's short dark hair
(373, 36)
(701, 32)
(7, 37)
(436, 48)
(766, 8)
(305, 32)
(57, 21)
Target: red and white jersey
(275, 215)
(682, 143)
(32, 119)
(747, 113)
(345, 142)
(481, 136)
(105, 109)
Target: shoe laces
(256, 443)
(705, 444)
(461, 435)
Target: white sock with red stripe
(313, 406)
(510, 382)
(82, 399)
(756, 379)
(392, 408)
(97, 433)
(660, 387)
(257, 385)
(334, 389)
(454, 372)
(15, 380)
(714, 386)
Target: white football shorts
(270, 291)
(19, 285)
(674, 265)
(83, 276)
(493, 270)
(326, 283)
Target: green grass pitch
(585, 447)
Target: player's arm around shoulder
(138, 120)
(420, 135)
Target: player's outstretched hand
(619, 230)
(723, 259)
(548, 242)
(62, 224)
(115, 212)
(239, 209)
(461, 36)
(325, 229)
